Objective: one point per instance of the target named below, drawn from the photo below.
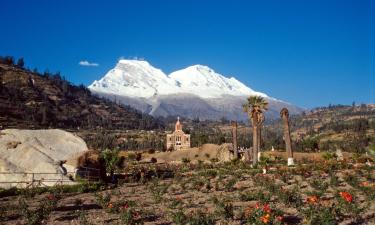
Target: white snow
(137, 78)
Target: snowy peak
(137, 78)
(209, 84)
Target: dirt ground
(203, 153)
(224, 193)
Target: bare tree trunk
(260, 124)
(259, 141)
(288, 142)
(234, 134)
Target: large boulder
(37, 154)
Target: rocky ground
(324, 192)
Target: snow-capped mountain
(196, 91)
(206, 83)
(135, 78)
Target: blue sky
(309, 53)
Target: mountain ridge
(33, 100)
(138, 78)
(195, 91)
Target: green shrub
(179, 217)
(200, 218)
(185, 160)
(223, 209)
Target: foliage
(200, 218)
(223, 209)
(131, 217)
(103, 200)
(41, 212)
(111, 159)
(262, 214)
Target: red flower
(51, 197)
(279, 218)
(267, 208)
(257, 205)
(136, 215)
(346, 196)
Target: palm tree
(254, 108)
(284, 113)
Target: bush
(185, 160)
(199, 218)
(37, 215)
(223, 209)
(179, 217)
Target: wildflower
(136, 215)
(110, 206)
(51, 197)
(279, 218)
(125, 206)
(346, 196)
(312, 199)
(257, 206)
(267, 208)
(265, 218)
(364, 184)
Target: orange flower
(364, 184)
(110, 206)
(312, 199)
(346, 196)
(257, 205)
(266, 218)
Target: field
(313, 192)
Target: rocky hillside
(33, 100)
(350, 128)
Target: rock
(225, 152)
(38, 152)
(339, 155)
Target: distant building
(178, 139)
